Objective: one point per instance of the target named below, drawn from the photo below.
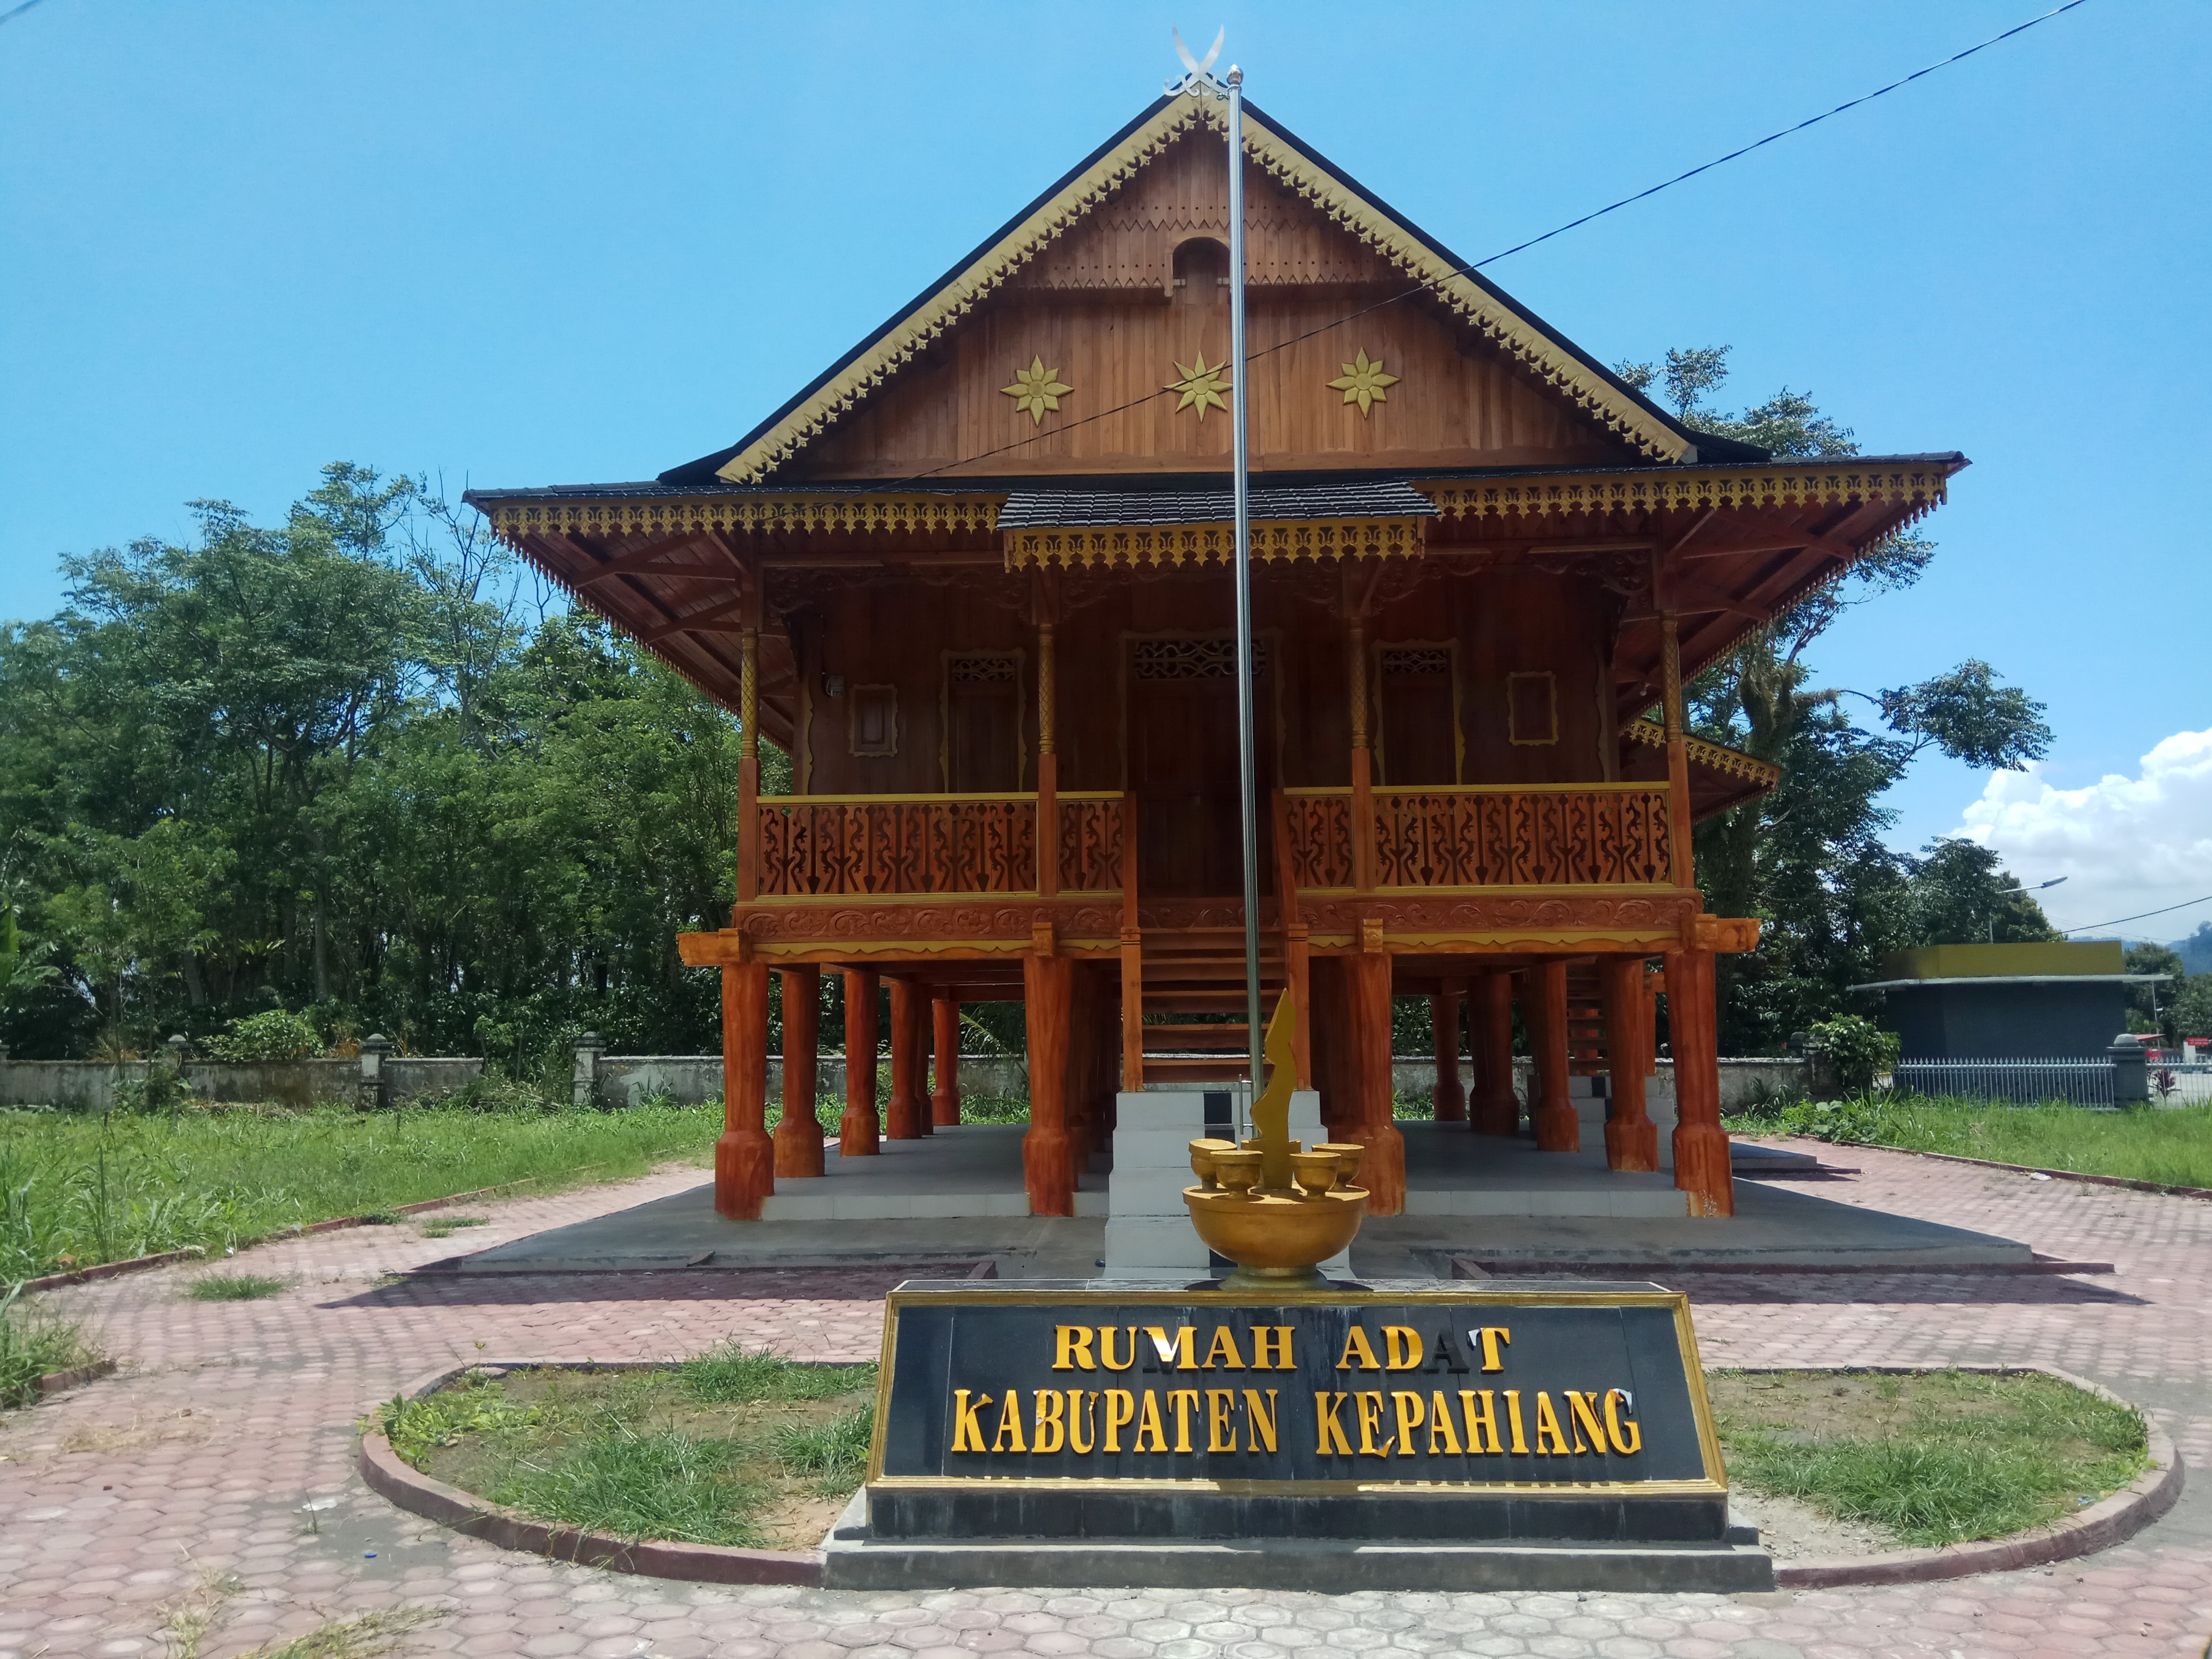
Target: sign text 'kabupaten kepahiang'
(1453, 1388)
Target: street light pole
(2004, 892)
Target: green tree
(1809, 858)
(2152, 1005)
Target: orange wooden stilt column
(745, 1160)
(859, 1132)
(1490, 1024)
(909, 1113)
(945, 1098)
(1558, 1128)
(1443, 1015)
(1701, 1145)
(1631, 1139)
(1382, 1170)
(798, 1136)
(1047, 1164)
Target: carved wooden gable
(1048, 351)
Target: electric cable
(2139, 916)
(1518, 248)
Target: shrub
(1858, 1049)
(235, 1287)
(275, 1034)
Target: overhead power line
(1518, 248)
(2140, 915)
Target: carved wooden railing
(1483, 835)
(824, 846)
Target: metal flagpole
(1246, 754)
(1199, 82)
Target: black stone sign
(1060, 1410)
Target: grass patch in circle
(734, 1447)
(235, 1287)
(1931, 1457)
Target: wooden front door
(1182, 714)
(1420, 716)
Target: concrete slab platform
(968, 1171)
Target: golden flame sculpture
(1275, 1209)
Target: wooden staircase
(1588, 1054)
(1192, 972)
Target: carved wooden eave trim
(660, 515)
(1168, 546)
(1731, 762)
(1542, 355)
(1918, 489)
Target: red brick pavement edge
(2131, 1184)
(2102, 1525)
(393, 1478)
(76, 1377)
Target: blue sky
(518, 244)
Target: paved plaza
(214, 1474)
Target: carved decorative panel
(1319, 830)
(1194, 659)
(897, 847)
(1417, 659)
(1534, 837)
(1090, 846)
(983, 668)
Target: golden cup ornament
(1274, 1208)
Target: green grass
(444, 1226)
(235, 1287)
(2172, 1148)
(699, 1452)
(1937, 1457)
(76, 1190)
(33, 1343)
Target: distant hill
(2196, 951)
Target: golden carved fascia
(1921, 489)
(942, 311)
(1541, 357)
(1711, 755)
(1165, 545)
(657, 515)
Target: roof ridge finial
(1199, 81)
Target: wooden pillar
(798, 1136)
(1362, 776)
(1382, 1170)
(1678, 754)
(1133, 956)
(944, 1098)
(1048, 1169)
(1490, 1027)
(1048, 764)
(1443, 1016)
(908, 1116)
(749, 740)
(1545, 1013)
(745, 1160)
(1631, 1139)
(859, 1132)
(1701, 1145)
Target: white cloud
(2125, 845)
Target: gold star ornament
(1363, 383)
(1035, 389)
(1201, 387)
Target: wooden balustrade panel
(1090, 846)
(893, 847)
(1320, 831)
(1534, 838)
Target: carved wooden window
(1194, 659)
(1420, 728)
(873, 711)
(1532, 708)
(983, 747)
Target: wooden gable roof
(1498, 386)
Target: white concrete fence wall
(379, 1078)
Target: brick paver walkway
(223, 1454)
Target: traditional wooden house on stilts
(973, 579)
